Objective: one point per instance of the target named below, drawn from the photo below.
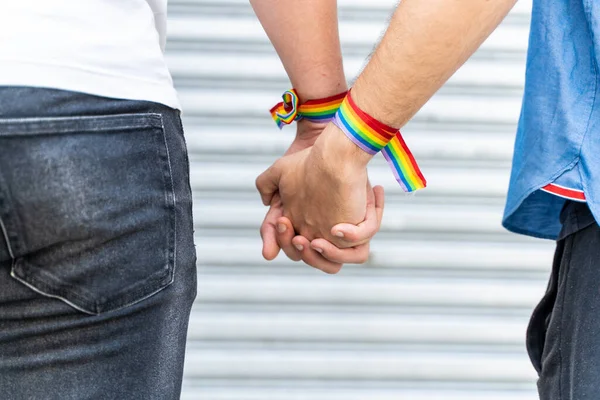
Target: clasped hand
(323, 209)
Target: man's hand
(320, 187)
(323, 255)
(273, 234)
(278, 233)
(315, 196)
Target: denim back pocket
(88, 207)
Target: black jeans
(563, 338)
(97, 261)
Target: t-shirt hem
(77, 80)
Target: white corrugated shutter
(440, 310)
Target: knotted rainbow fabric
(319, 110)
(373, 136)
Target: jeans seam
(18, 266)
(10, 222)
(6, 239)
(174, 214)
(95, 123)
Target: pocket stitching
(124, 296)
(90, 307)
(172, 248)
(62, 125)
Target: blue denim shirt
(558, 137)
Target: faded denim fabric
(97, 261)
(563, 334)
(558, 137)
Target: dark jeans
(563, 338)
(97, 261)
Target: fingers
(285, 234)
(352, 255)
(313, 258)
(379, 203)
(270, 248)
(268, 231)
(267, 183)
(363, 232)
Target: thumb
(364, 232)
(268, 232)
(267, 183)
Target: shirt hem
(565, 192)
(509, 212)
(526, 232)
(76, 80)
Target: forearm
(426, 42)
(305, 36)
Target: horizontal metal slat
(267, 67)
(387, 253)
(455, 219)
(318, 288)
(357, 365)
(205, 140)
(347, 390)
(206, 176)
(281, 327)
(506, 38)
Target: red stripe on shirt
(567, 193)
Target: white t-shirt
(110, 48)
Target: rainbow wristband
(372, 136)
(319, 110)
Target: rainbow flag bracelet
(318, 110)
(373, 136)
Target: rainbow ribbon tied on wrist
(373, 136)
(319, 110)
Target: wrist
(307, 132)
(373, 136)
(339, 153)
(309, 129)
(319, 111)
(321, 88)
